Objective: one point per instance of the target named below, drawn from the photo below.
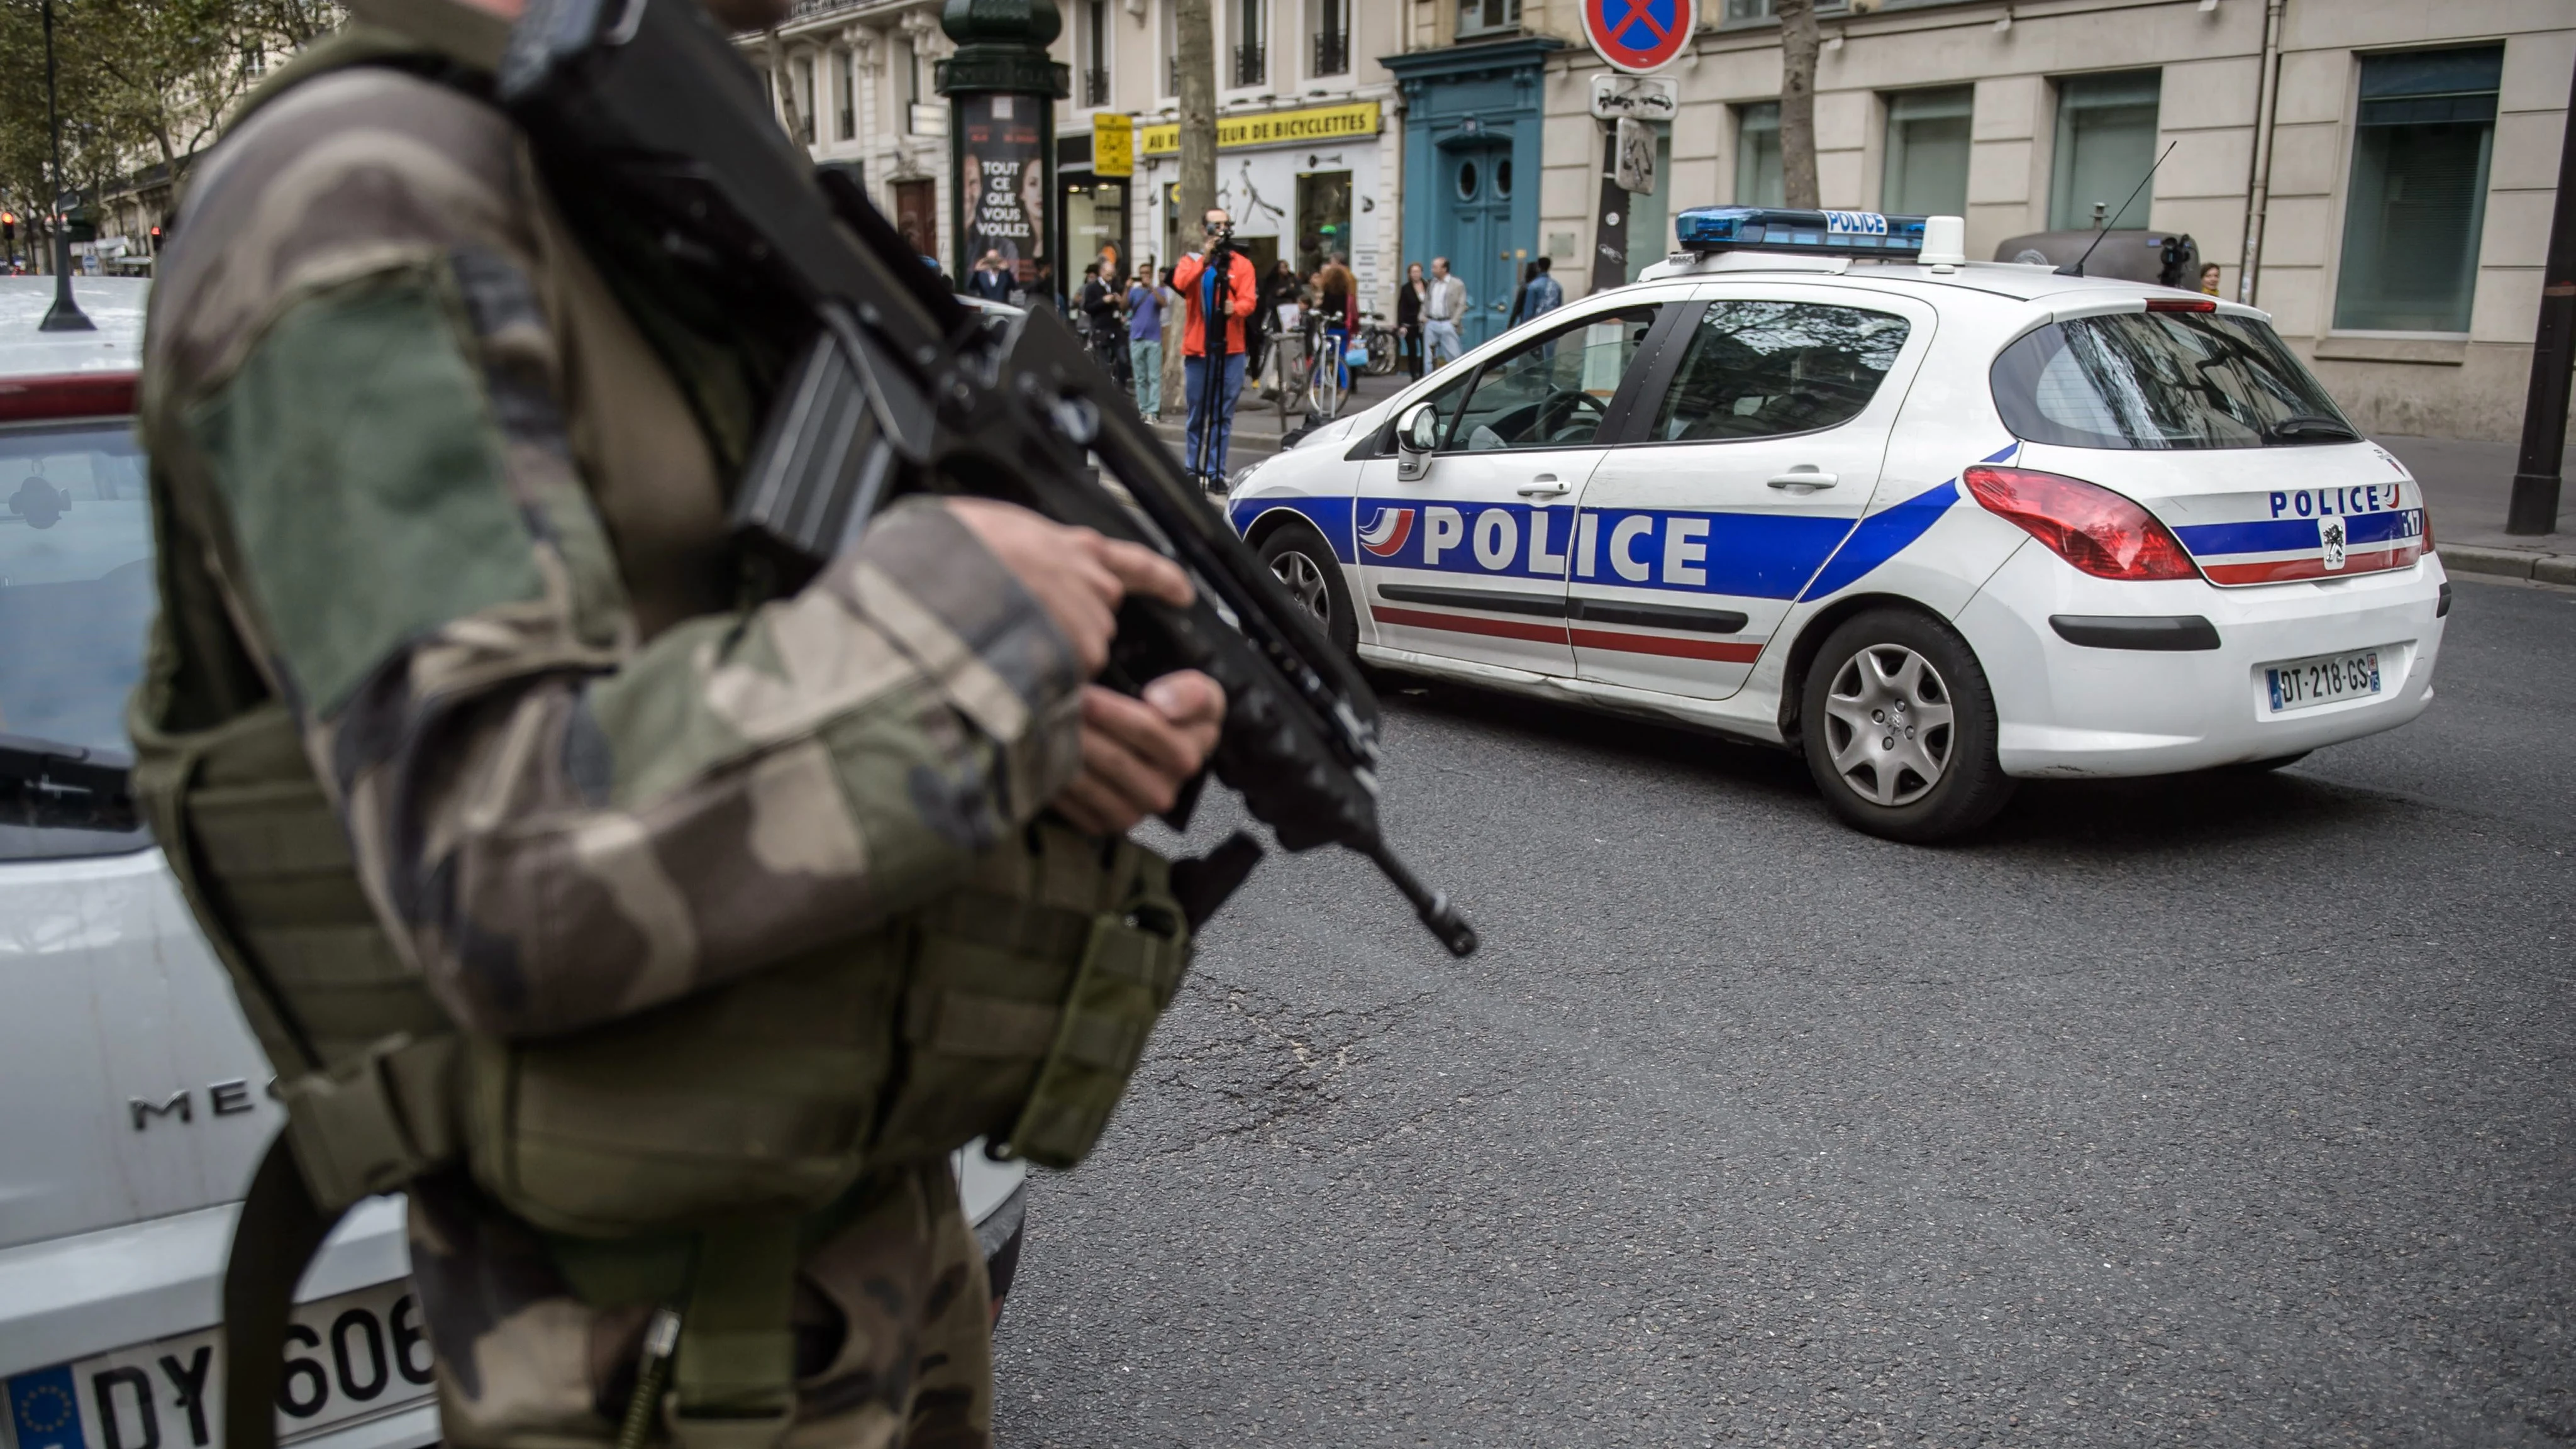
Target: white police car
(1819, 480)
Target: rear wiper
(2309, 425)
(48, 785)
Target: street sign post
(1639, 36)
(1618, 96)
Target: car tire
(1930, 773)
(1303, 563)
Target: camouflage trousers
(893, 1323)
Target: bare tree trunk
(1196, 34)
(1798, 101)
(784, 80)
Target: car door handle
(1804, 478)
(1545, 486)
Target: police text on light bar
(1775, 229)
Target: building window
(2419, 190)
(1927, 152)
(1169, 26)
(1332, 28)
(1487, 17)
(2106, 140)
(804, 73)
(254, 60)
(1251, 57)
(1095, 52)
(845, 79)
(1758, 180)
(912, 89)
(1740, 11)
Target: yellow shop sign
(1269, 128)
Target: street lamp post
(1002, 87)
(65, 315)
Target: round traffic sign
(1639, 35)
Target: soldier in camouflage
(421, 476)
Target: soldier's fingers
(1138, 732)
(1094, 808)
(1146, 572)
(1190, 700)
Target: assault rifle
(641, 112)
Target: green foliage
(143, 84)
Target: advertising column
(1001, 88)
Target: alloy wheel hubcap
(1889, 725)
(1305, 584)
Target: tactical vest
(1014, 1007)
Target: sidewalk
(2468, 485)
(1256, 422)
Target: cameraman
(1215, 281)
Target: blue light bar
(1774, 229)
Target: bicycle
(1287, 377)
(1378, 335)
(1328, 372)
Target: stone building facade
(2406, 154)
(2411, 155)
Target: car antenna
(2077, 270)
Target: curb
(2546, 568)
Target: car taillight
(66, 395)
(2182, 304)
(2089, 526)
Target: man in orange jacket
(1214, 281)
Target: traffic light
(8, 226)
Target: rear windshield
(76, 596)
(2162, 380)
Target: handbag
(1357, 355)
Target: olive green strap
(733, 1378)
(376, 1121)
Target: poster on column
(1002, 164)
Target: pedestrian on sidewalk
(990, 281)
(1216, 299)
(1444, 306)
(1542, 294)
(1172, 310)
(1145, 341)
(1408, 318)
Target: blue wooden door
(1475, 212)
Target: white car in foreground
(1936, 523)
(137, 1100)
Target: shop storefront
(1301, 185)
(1094, 212)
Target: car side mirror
(1417, 433)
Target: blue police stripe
(43, 1414)
(1882, 536)
(2297, 535)
(2281, 535)
(1330, 516)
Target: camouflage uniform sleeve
(559, 822)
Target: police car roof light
(1778, 229)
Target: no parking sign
(1639, 35)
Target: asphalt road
(2218, 1110)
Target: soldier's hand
(1138, 753)
(1077, 574)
